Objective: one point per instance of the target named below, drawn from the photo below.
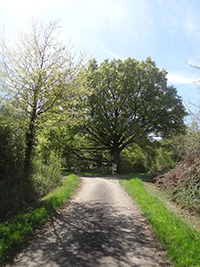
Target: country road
(101, 227)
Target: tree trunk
(116, 158)
(30, 138)
(99, 161)
(28, 152)
(28, 191)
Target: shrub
(47, 176)
(11, 166)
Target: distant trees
(37, 73)
(46, 92)
(131, 101)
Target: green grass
(181, 241)
(142, 176)
(15, 232)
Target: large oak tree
(131, 101)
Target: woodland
(61, 113)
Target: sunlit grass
(182, 242)
(14, 232)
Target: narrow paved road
(101, 227)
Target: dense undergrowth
(183, 184)
(182, 242)
(15, 232)
(45, 177)
(183, 181)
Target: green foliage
(187, 145)
(131, 100)
(11, 153)
(181, 241)
(133, 160)
(163, 161)
(183, 182)
(153, 157)
(39, 74)
(11, 144)
(187, 192)
(47, 176)
(11, 162)
(13, 233)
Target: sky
(166, 30)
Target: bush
(47, 176)
(11, 166)
(183, 182)
(133, 160)
(163, 161)
(11, 153)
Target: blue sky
(166, 30)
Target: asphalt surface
(101, 227)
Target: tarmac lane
(101, 227)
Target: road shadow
(93, 234)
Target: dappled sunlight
(99, 230)
(93, 235)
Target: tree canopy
(38, 70)
(131, 101)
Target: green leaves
(131, 100)
(38, 74)
(38, 69)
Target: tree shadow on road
(93, 234)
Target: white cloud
(179, 78)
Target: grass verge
(15, 232)
(182, 242)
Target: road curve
(101, 227)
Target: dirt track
(101, 227)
